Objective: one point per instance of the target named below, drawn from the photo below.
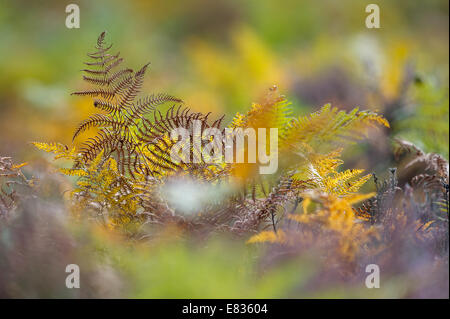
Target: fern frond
(103, 81)
(101, 40)
(107, 59)
(174, 118)
(122, 84)
(345, 182)
(73, 172)
(105, 93)
(131, 92)
(97, 120)
(273, 111)
(328, 127)
(149, 104)
(60, 150)
(102, 141)
(107, 106)
(326, 164)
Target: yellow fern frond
(329, 126)
(84, 184)
(335, 214)
(355, 186)
(73, 172)
(239, 120)
(326, 164)
(344, 182)
(50, 147)
(60, 150)
(112, 164)
(94, 165)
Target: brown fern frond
(101, 39)
(122, 84)
(103, 81)
(109, 58)
(163, 124)
(97, 120)
(101, 53)
(366, 211)
(107, 106)
(155, 135)
(113, 65)
(149, 104)
(95, 72)
(105, 93)
(130, 94)
(120, 136)
(92, 146)
(118, 75)
(106, 141)
(255, 214)
(97, 81)
(103, 65)
(217, 123)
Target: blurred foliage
(176, 270)
(428, 126)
